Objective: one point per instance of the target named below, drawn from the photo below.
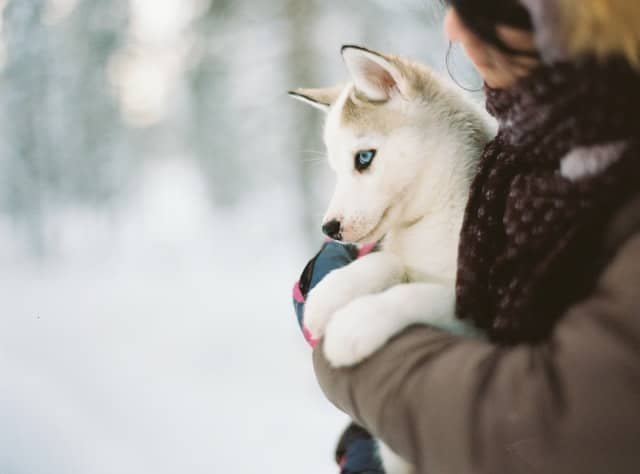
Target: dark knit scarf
(530, 236)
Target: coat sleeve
(452, 405)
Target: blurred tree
(239, 126)
(25, 132)
(302, 63)
(100, 156)
(211, 123)
(62, 136)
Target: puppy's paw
(357, 331)
(317, 313)
(323, 301)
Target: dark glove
(357, 452)
(332, 255)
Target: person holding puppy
(548, 264)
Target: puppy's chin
(371, 238)
(365, 238)
(376, 234)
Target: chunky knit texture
(530, 233)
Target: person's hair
(482, 17)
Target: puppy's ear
(373, 74)
(321, 99)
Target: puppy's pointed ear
(373, 74)
(321, 99)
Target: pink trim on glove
(365, 249)
(297, 293)
(307, 335)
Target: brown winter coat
(569, 402)
(568, 405)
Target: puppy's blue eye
(364, 158)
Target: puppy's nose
(332, 229)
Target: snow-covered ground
(160, 340)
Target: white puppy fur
(426, 138)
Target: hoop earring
(447, 61)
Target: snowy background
(159, 194)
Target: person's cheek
(479, 54)
(452, 26)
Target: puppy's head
(375, 137)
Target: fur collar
(568, 29)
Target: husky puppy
(404, 147)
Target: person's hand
(332, 256)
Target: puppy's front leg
(372, 273)
(365, 325)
